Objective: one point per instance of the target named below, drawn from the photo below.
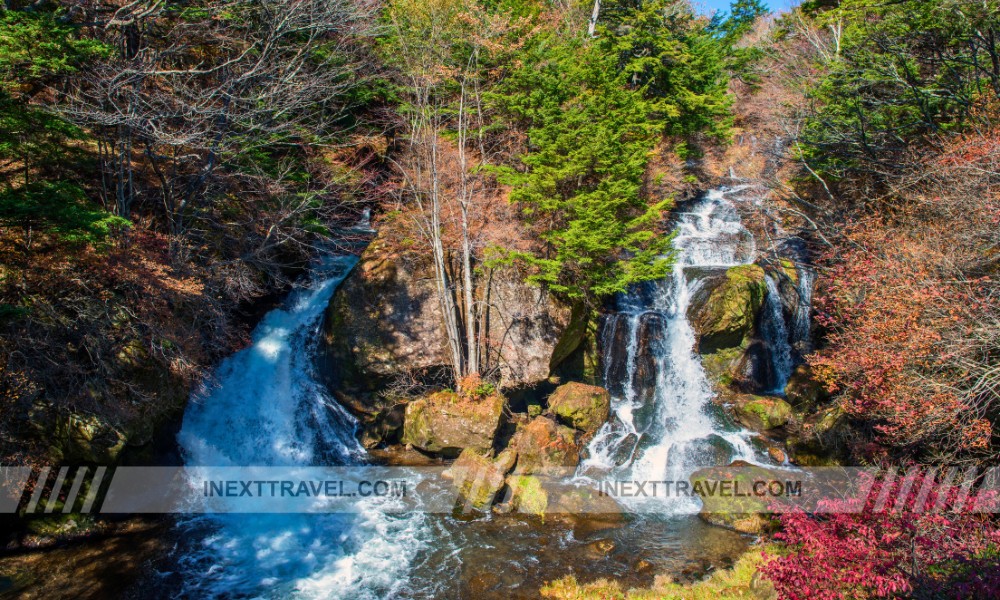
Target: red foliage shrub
(861, 549)
(909, 344)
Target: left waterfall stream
(265, 406)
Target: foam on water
(265, 406)
(681, 431)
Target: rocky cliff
(383, 334)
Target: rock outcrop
(803, 391)
(724, 314)
(761, 413)
(726, 318)
(383, 330)
(821, 440)
(444, 423)
(581, 406)
(544, 446)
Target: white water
(666, 435)
(264, 406)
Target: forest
(521, 171)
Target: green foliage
(589, 140)
(59, 208)
(730, 29)
(665, 52)
(906, 73)
(34, 46)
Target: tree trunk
(592, 26)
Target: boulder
(478, 477)
(761, 413)
(726, 317)
(583, 407)
(443, 423)
(544, 446)
(527, 495)
(803, 391)
(383, 329)
(735, 508)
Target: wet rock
(711, 450)
(727, 498)
(601, 547)
(581, 406)
(761, 413)
(445, 424)
(544, 446)
(777, 454)
(527, 495)
(478, 477)
(614, 341)
(726, 318)
(822, 439)
(643, 566)
(650, 339)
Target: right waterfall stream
(664, 424)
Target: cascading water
(801, 334)
(776, 337)
(266, 407)
(663, 425)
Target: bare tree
(198, 87)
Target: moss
(581, 406)
(527, 494)
(762, 412)
(741, 582)
(721, 366)
(727, 318)
(788, 267)
(445, 423)
(478, 478)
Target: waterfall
(777, 339)
(801, 334)
(265, 406)
(663, 424)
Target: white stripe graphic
(50, 503)
(81, 473)
(95, 485)
(43, 475)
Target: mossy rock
(788, 268)
(527, 495)
(727, 317)
(443, 423)
(544, 446)
(478, 477)
(581, 406)
(735, 507)
(86, 438)
(723, 366)
(803, 391)
(822, 440)
(762, 413)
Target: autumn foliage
(915, 545)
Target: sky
(708, 6)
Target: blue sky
(707, 6)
